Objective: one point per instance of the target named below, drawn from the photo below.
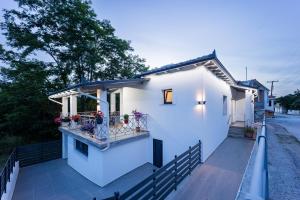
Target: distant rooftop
(252, 83)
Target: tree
(50, 44)
(24, 108)
(290, 101)
(78, 45)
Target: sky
(263, 36)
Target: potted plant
(99, 117)
(126, 118)
(65, 121)
(249, 132)
(89, 127)
(137, 116)
(57, 121)
(76, 118)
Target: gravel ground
(284, 163)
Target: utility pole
(246, 74)
(272, 86)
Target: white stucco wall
(102, 167)
(184, 122)
(249, 107)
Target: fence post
(154, 184)
(175, 173)
(117, 195)
(8, 168)
(190, 159)
(199, 151)
(5, 178)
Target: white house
(180, 104)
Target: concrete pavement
(220, 176)
(56, 180)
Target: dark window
(224, 105)
(83, 148)
(117, 102)
(168, 96)
(270, 103)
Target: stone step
(236, 131)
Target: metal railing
(259, 186)
(7, 171)
(31, 154)
(117, 127)
(164, 180)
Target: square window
(168, 96)
(82, 147)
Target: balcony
(114, 129)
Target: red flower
(57, 120)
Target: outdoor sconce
(201, 102)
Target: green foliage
(49, 45)
(249, 129)
(24, 107)
(80, 46)
(291, 101)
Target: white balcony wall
(102, 167)
(183, 123)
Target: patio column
(65, 103)
(102, 104)
(73, 105)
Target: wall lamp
(201, 102)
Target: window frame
(165, 91)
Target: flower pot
(138, 129)
(249, 134)
(99, 120)
(125, 121)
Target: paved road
(220, 176)
(290, 122)
(284, 157)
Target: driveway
(220, 176)
(56, 180)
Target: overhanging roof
(252, 83)
(210, 61)
(92, 86)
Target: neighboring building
(263, 103)
(180, 104)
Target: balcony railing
(117, 127)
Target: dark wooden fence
(6, 172)
(29, 155)
(41, 152)
(166, 179)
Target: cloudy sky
(262, 35)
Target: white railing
(259, 186)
